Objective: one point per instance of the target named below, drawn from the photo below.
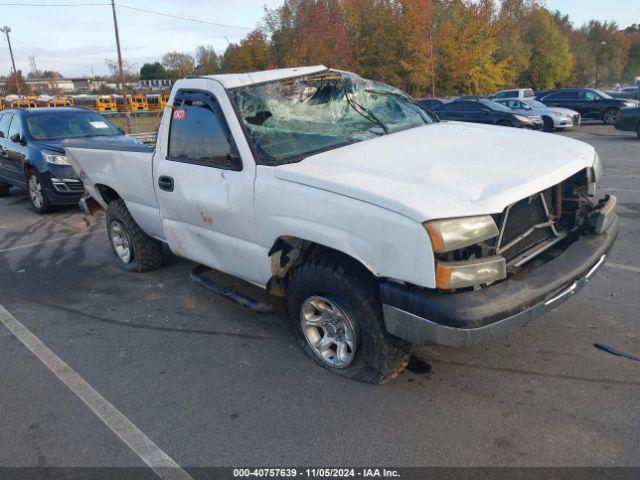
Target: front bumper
(563, 122)
(468, 318)
(62, 185)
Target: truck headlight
(55, 159)
(597, 168)
(469, 273)
(454, 233)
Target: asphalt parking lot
(213, 384)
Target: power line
(182, 18)
(53, 4)
(152, 12)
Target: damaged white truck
(375, 224)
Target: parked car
(487, 111)
(589, 102)
(629, 120)
(431, 103)
(370, 224)
(32, 157)
(515, 93)
(552, 117)
(626, 92)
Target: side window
(4, 125)
(199, 133)
(562, 96)
(451, 107)
(16, 126)
(588, 96)
(472, 107)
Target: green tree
(152, 71)
(551, 61)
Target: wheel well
(289, 252)
(108, 194)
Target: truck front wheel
(135, 250)
(335, 311)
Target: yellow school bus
(156, 102)
(106, 103)
(88, 101)
(24, 102)
(62, 101)
(136, 103)
(1, 103)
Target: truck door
(203, 187)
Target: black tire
(638, 129)
(145, 252)
(504, 123)
(610, 115)
(36, 193)
(549, 126)
(4, 190)
(379, 356)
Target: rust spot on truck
(206, 218)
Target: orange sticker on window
(178, 114)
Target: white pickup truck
(375, 224)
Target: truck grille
(527, 224)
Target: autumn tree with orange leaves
(442, 47)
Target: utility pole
(6, 30)
(125, 99)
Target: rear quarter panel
(128, 172)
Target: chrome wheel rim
(329, 331)
(35, 192)
(120, 241)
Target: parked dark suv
(589, 102)
(481, 110)
(32, 157)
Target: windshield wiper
(365, 113)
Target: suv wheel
(610, 116)
(4, 190)
(336, 315)
(37, 195)
(135, 250)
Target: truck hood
(447, 169)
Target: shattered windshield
(290, 119)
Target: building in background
(155, 85)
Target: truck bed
(126, 168)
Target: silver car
(553, 117)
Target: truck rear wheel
(4, 190)
(135, 250)
(335, 311)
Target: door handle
(165, 183)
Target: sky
(76, 40)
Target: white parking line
(142, 445)
(619, 266)
(35, 244)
